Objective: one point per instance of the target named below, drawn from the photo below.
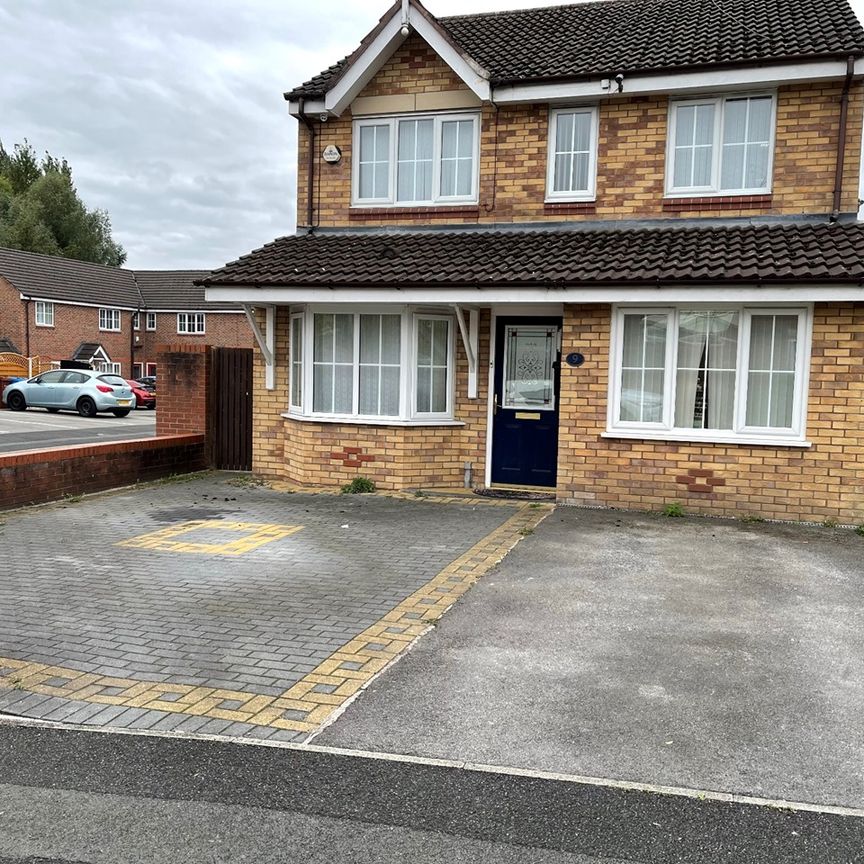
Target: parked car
(86, 391)
(148, 381)
(145, 397)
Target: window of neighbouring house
(371, 365)
(190, 323)
(151, 321)
(710, 373)
(136, 320)
(421, 160)
(44, 314)
(721, 145)
(137, 370)
(109, 319)
(572, 161)
(113, 368)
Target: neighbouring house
(607, 249)
(59, 309)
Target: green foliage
(358, 486)
(673, 510)
(860, 530)
(40, 210)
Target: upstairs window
(151, 321)
(190, 323)
(109, 319)
(572, 166)
(420, 160)
(44, 314)
(136, 320)
(721, 146)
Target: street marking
(257, 535)
(318, 697)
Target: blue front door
(525, 408)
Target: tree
(41, 211)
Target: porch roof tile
(750, 253)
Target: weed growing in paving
(673, 510)
(829, 523)
(860, 530)
(69, 498)
(358, 486)
(526, 532)
(752, 517)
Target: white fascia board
(752, 293)
(472, 74)
(771, 75)
(364, 68)
(311, 108)
(176, 311)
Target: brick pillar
(182, 389)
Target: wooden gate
(231, 409)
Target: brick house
(608, 249)
(59, 308)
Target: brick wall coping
(60, 454)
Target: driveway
(211, 605)
(706, 654)
(36, 428)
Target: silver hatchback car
(83, 390)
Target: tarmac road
(75, 797)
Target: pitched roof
(742, 253)
(7, 345)
(50, 277)
(627, 36)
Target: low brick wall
(37, 476)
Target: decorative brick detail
(715, 203)
(573, 208)
(700, 480)
(351, 457)
(400, 214)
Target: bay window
(718, 373)
(373, 365)
(416, 160)
(721, 146)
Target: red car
(144, 398)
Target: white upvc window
(136, 320)
(151, 321)
(44, 314)
(721, 145)
(714, 373)
(416, 160)
(572, 159)
(190, 323)
(113, 368)
(374, 364)
(109, 319)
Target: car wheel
(123, 412)
(52, 410)
(16, 401)
(86, 407)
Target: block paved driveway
(213, 607)
(707, 654)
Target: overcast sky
(171, 112)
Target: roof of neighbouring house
(86, 351)
(7, 345)
(607, 37)
(49, 277)
(750, 253)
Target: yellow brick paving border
(309, 703)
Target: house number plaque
(575, 359)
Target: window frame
(44, 306)
(188, 317)
(136, 321)
(104, 325)
(151, 316)
(392, 120)
(740, 433)
(552, 130)
(714, 189)
(407, 414)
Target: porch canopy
(801, 261)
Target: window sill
(718, 201)
(368, 421)
(103, 330)
(567, 207)
(742, 440)
(360, 213)
(45, 326)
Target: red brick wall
(184, 385)
(11, 314)
(48, 475)
(223, 330)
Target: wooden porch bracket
(266, 340)
(470, 341)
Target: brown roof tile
(741, 253)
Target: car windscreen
(113, 380)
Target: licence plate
(123, 401)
